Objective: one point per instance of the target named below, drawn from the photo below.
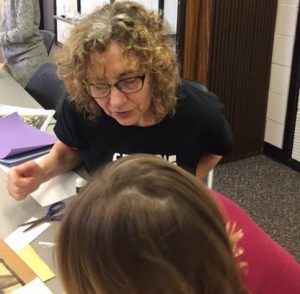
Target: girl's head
(143, 225)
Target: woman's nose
(117, 98)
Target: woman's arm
(62, 158)
(207, 163)
(27, 177)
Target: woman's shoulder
(197, 93)
(195, 100)
(67, 111)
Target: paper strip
(38, 266)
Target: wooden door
(228, 47)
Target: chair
(48, 38)
(46, 88)
(210, 176)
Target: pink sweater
(270, 269)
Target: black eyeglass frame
(88, 91)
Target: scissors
(50, 216)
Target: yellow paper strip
(38, 266)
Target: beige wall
(280, 71)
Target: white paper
(89, 6)
(35, 286)
(149, 4)
(39, 118)
(170, 14)
(66, 7)
(18, 239)
(56, 189)
(4, 168)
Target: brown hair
(141, 33)
(143, 225)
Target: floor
(269, 191)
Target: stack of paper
(21, 142)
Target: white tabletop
(12, 212)
(12, 93)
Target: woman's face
(109, 68)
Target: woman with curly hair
(122, 75)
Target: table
(12, 212)
(12, 93)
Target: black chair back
(48, 38)
(46, 88)
(197, 85)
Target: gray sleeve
(25, 26)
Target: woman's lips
(122, 114)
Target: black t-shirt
(198, 127)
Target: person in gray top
(22, 46)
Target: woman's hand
(27, 177)
(24, 179)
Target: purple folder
(17, 137)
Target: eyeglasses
(127, 86)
